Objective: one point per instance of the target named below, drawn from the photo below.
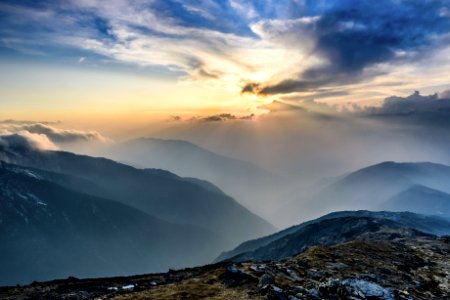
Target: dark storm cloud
(354, 35)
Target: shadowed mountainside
(156, 192)
(332, 229)
(369, 188)
(48, 231)
(240, 179)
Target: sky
(88, 61)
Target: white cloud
(49, 137)
(26, 139)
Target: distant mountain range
(415, 187)
(335, 228)
(187, 221)
(240, 179)
(420, 199)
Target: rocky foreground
(416, 268)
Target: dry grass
(206, 286)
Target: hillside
(48, 231)
(400, 269)
(155, 192)
(240, 179)
(420, 199)
(367, 188)
(333, 228)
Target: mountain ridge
(155, 192)
(49, 231)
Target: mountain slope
(156, 192)
(420, 199)
(238, 178)
(378, 270)
(377, 183)
(367, 188)
(322, 226)
(48, 231)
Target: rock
(266, 279)
(353, 289)
(315, 274)
(445, 239)
(273, 292)
(235, 277)
(258, 268)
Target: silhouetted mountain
(336, 228)
(420, 199)
(156, 192)
(240, 179)
(368, 188)
(48, 231)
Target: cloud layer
(261, 47)
(43, 136)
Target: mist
(273, 163)
(295, 148)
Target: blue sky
(249, 52)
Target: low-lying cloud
(44, 136)
(26, 140)
(64, 135)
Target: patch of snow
(31, 174)
(26, 172)
(276, 289)
(36, 199)
(128, 287)
(369, 289)
(258, 268)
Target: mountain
(334, 228)
(48, 231)
(367, 188)
(156, 192)
(404, 268)
(240, 179)
(420, 199)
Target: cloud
(261, 47)
(44, 134)
(64, 135)
(21, 122)
(212, 118)
(26, 140)
(413, 104)
(351, 37)
(224, 117)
